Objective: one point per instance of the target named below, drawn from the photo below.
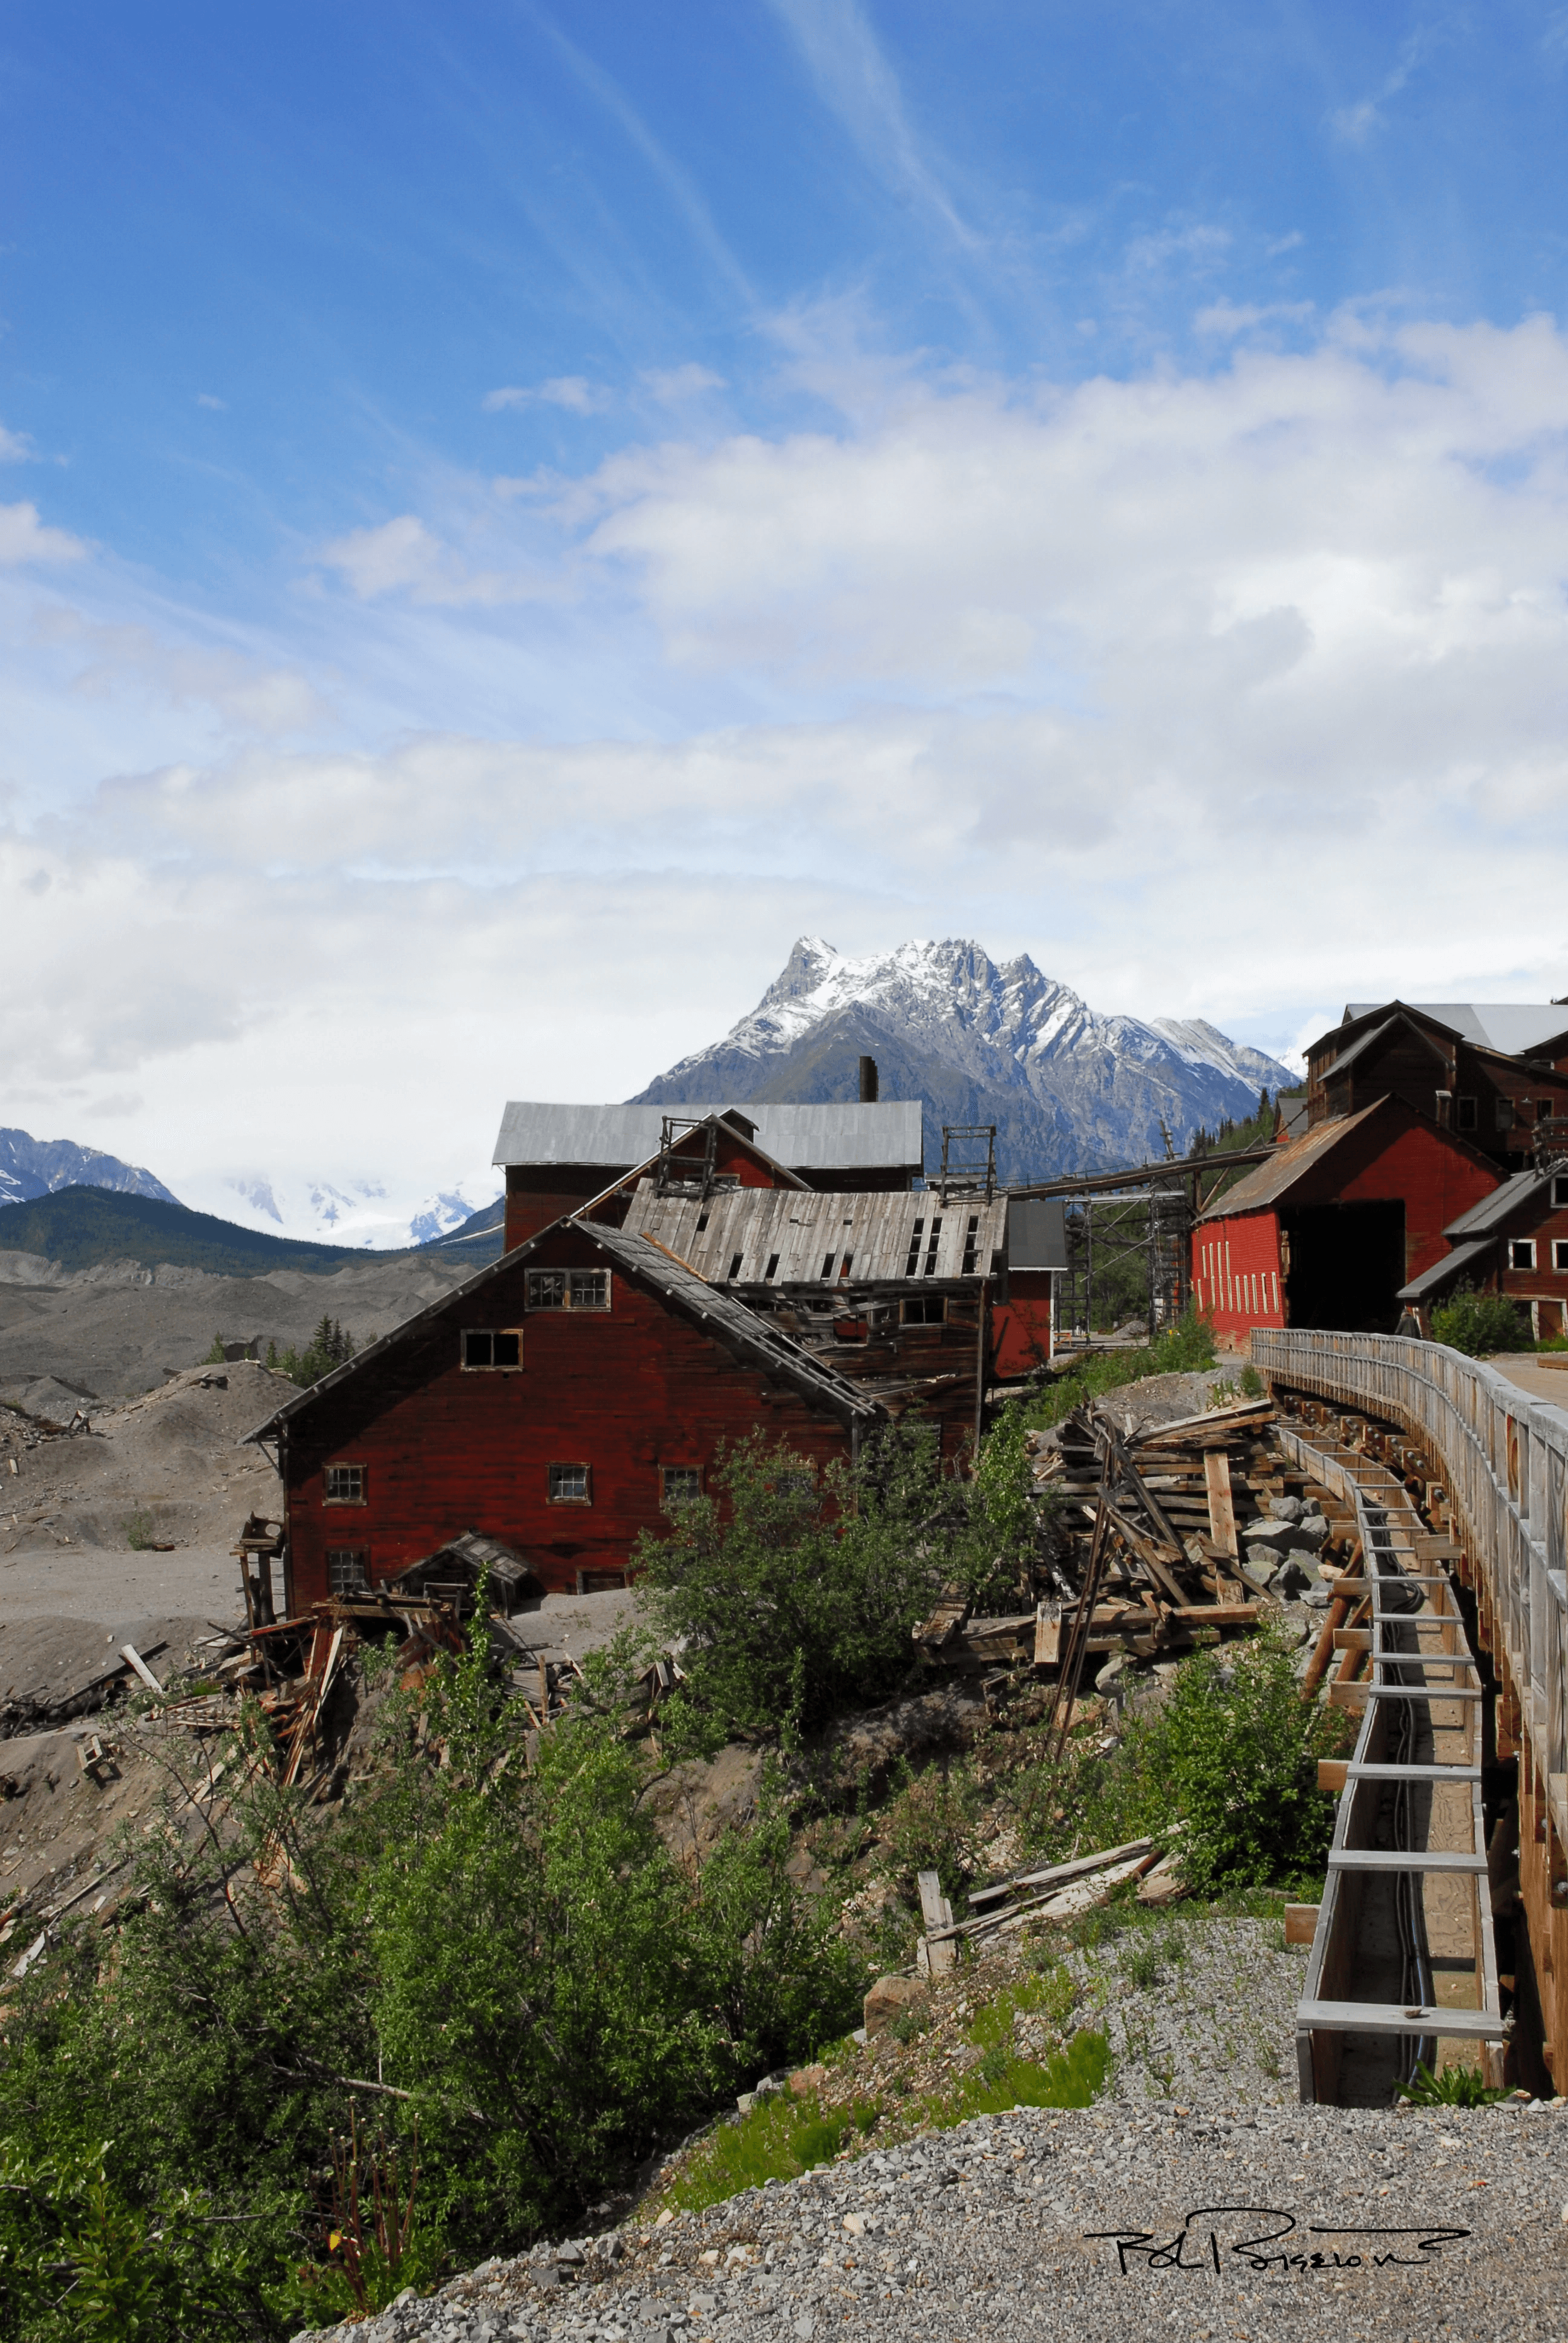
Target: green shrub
(139, 1528)
(794, 1587)
(1480, 1324)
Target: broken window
(568, 1289)
(681, 1484)
(772, 1268)
(346, 1485)
(1505, 1114)
(569, 1485)
(492, 1346)
(346, 1571)
(828, 1260)
(926, 1310)
(1559, 1191)
(971, 1244)
(1520, 1253)
(911, 1267)
(931, 1244)
(735, 1266)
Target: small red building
(1515, 1241)
(1336, 1224)
(561, 1401)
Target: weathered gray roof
(1441, 1272)
(1494, 1211)
(798, 1229)
(1367, 1041)
(1517, 1028)
(886, 1135)
(739, 1329)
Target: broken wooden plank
(129, 1654)
(1222, 1510)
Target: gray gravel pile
(1198, 2009)
(1338, 2223)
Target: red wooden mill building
(1329, 1230)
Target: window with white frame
(1560, 1253)
(345, 1569)
(492, 1347)
(1520, 1253)
(680, 1485)
(568, 1289)
(570, 1484)
(346, 1485)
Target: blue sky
(512, 514)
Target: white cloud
(673, 385)
(1094, 671)
(1224, 321)
(403, 554)
(205, 399)
(25, 538)
(572, 391)
(15, 448)
(248, 696)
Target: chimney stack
(867, 1081)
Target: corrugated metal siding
(811, 1235)
(884, 1135)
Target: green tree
(1480, 1324)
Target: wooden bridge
(1451, 1834)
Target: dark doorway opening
(1347, 1265)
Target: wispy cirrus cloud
(856, 80)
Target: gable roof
(1516, 1029)
(746, 1337)
(1265, 1184)
(879, 1135)
(1492, 1212)
(1365, 1043)
(737, 1129)
(798, 1229)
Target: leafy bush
(1480, 1324)
(794, 1588)
(139, 1528)
(504, 1945)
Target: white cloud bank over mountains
(1231, 696)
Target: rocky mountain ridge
(31, 1168)
(980, 1042)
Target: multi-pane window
(570, 1486)
(682, 1483)
(568, 1289)
(1520, 1253)
(345, 1572)
(346, 1485)
(492, 1346)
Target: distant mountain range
(981, 1043)
(33, 1167)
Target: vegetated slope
(83, 1227)
(33, 1167)
(1067, 1090)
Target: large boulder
(888, 1999)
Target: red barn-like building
(1328, 1231)
(562, 1401)
(1514, 1243)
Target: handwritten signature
(1195, 2248)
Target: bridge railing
(1504, 1459)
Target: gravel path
(1198, 2009)
(1342, 2224)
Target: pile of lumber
(1058, 1890)
(1151, 1526)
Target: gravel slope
(989, 2229)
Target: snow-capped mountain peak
(980, 1040)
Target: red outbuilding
(563, 1401)
(1328, 1230)
(1514, 1243)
